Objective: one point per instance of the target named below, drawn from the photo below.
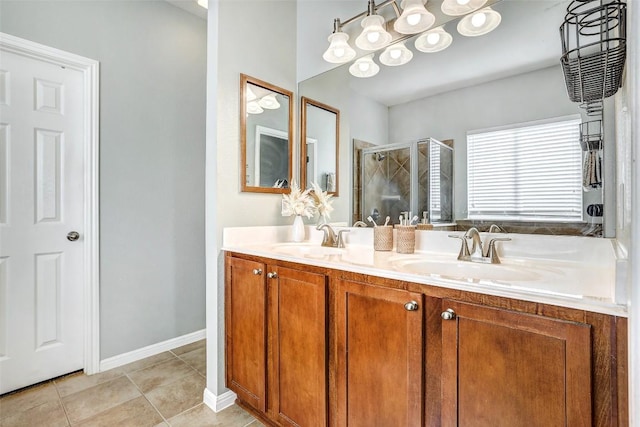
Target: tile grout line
(64, 408)
(147, 399)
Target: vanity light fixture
(269, 102)
(364, 67)
(415, 18)
(373, 35)
(339, 50)
(254, 108)
(396, 54)
(433, 40)
(479, 23)
(461, 7)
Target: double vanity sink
(574, 272)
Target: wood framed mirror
(266, 136)
(319, 145)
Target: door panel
(503, 368)
(41, 200)
(379, 356)
(299, 343)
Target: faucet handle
(464, 248)
(491, 249)
(340, 241)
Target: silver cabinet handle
(72, 236)
(257, 271)
(448, 314)
(411, 306)
(272, 275)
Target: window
(527, 172)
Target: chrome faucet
(477, 254)
(360, 224)
(495, 228)
(331, 239)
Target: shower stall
(410, 177)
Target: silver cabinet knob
(72, 236)
(257, 271)
(411, 306)
(272, 275)
(448, 314)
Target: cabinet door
(298, 343)
(245, 325)
(379, 344)
(503, 368)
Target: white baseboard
(218, 403)
(151, 350)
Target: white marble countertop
(574, 272)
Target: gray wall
(257, 38)
(152, 122)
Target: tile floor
(161, 390)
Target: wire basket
(593, 49)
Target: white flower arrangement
(322, 201)
(298, 202)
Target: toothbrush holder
(406, 239)
(383, 238)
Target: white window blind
(530, 171)
(434, 182)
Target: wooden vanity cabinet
(276, 341)
(307, 346)
(297, 347)
(246, 330)
(504, 368)
(379, 336)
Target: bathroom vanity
(351, 337)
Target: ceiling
(190, 6)
(527, 39)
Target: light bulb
(478, 20)
(413, 19)
(373, 36)
(339, 52)
(433, 38)
(203, 3)
(363, 66)
(395, 53)
(462, 2)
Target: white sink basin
(306, 249)
(466, 271)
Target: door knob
(257, 271)
(72, 236)
(272, 275)
(411, 306)
(448, 314)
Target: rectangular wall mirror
(266, 132)
(319, 145)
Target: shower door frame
(414, 185)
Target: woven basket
(406, 239)
(425, 226)
(383, 238)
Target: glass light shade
(461, 7)
(415, 18)
(203, 3)
(339, 50)
(479, 23)
(250, 95)
(373, 35)
(269, 102)
(396, 54)
(433, 41)
(254, 108)
(364, 67)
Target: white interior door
(41, 201)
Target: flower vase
(297, 229)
